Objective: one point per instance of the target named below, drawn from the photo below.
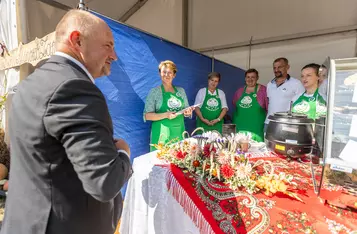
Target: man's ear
(75, 39)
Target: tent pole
(250, 51)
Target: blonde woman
(162, 105)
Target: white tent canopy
(303, 31)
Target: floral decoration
(219, 158)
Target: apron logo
(254, 95)
(246, 102)
(311, 99)
(178, 94)
(174, 104)
(321, 109)
(302, 107)
(212, 104)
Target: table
(150, 208)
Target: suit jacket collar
(63, 60)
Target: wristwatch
(218, 119)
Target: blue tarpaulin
(136, 72)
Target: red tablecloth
(214, 208)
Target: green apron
(211, 109)
(313, 107)
(168, 129)
(249, 116)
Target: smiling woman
(311, 102)
(251, 106)
(162, 105)
(212, 105)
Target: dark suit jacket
(66, 173)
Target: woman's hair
(169, 64)
(214, 74)
(314, 66)
(251, 70)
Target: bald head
(77, 20)
(88, 39)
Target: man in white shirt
(282, 89)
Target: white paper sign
(348, 153)
(341, 168)
(353, 128)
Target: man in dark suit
(66, 168)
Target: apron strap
(216, 91)
(256, 88)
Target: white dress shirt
(200, 97)
(76, 62)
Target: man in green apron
(249, 116)
(213, 105)
(311, 102)
(161, 106)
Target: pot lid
(288, 117)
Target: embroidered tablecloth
(214, 208)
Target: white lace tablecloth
(148, 206)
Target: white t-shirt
(200, 97)
(281, 96)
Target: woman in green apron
(311, 102)
(213, 105)
(161, 106)
(251, 106)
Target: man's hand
(122, 145)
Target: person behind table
(251, 104)
(310, 102)
(323, 81)
(161, 105)
(67, 170)
(282, 89)
(213, 106)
